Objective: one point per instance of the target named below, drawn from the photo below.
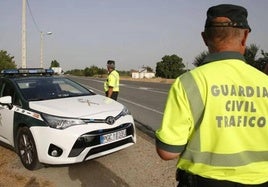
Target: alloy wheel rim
(26, 149)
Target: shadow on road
(95, 174)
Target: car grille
(92, 139)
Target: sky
(134, 33)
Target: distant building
(57, 70)
(142, 73)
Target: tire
(27, 149)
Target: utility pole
(23, 33)
(42, 47)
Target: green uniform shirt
(216, 116)
(112, 81)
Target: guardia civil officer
(216, 119)
(111, 85)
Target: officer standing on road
(216, 119)
(111, 85)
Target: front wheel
(27, 149)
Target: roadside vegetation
(169, 67)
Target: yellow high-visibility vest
(220, 127)
(112, 81)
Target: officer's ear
(245, 36)
(204, 38)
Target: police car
(53, 120)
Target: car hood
(96, 106)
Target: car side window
(1, 87)
(8, 90)
(16, 100)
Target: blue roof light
(50, 71)
(27, 71)
(32, 71)
(9, 71)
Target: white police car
(54, 120)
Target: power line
(36, 26)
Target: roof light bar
(27, 71)
(49, 71)
(9, 71)
(31, 71)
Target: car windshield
(43, 88)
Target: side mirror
(6, 101)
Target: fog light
(54, 150)
(54, 153)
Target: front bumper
(82, 142)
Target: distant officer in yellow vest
(111, 85)
(216, 117)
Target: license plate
(107, 138)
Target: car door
(6, 115)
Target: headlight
(125, 112)
(61, 123)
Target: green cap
(236, 14)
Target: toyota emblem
(110, 120)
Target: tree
(102, 71)
(76, 72)
(199, 60)
(170, 67)
(54, 63)
(250, 55)
(93, 70)
(148, 68)
(262, 62)
(6, 61)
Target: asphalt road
(145, 100)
